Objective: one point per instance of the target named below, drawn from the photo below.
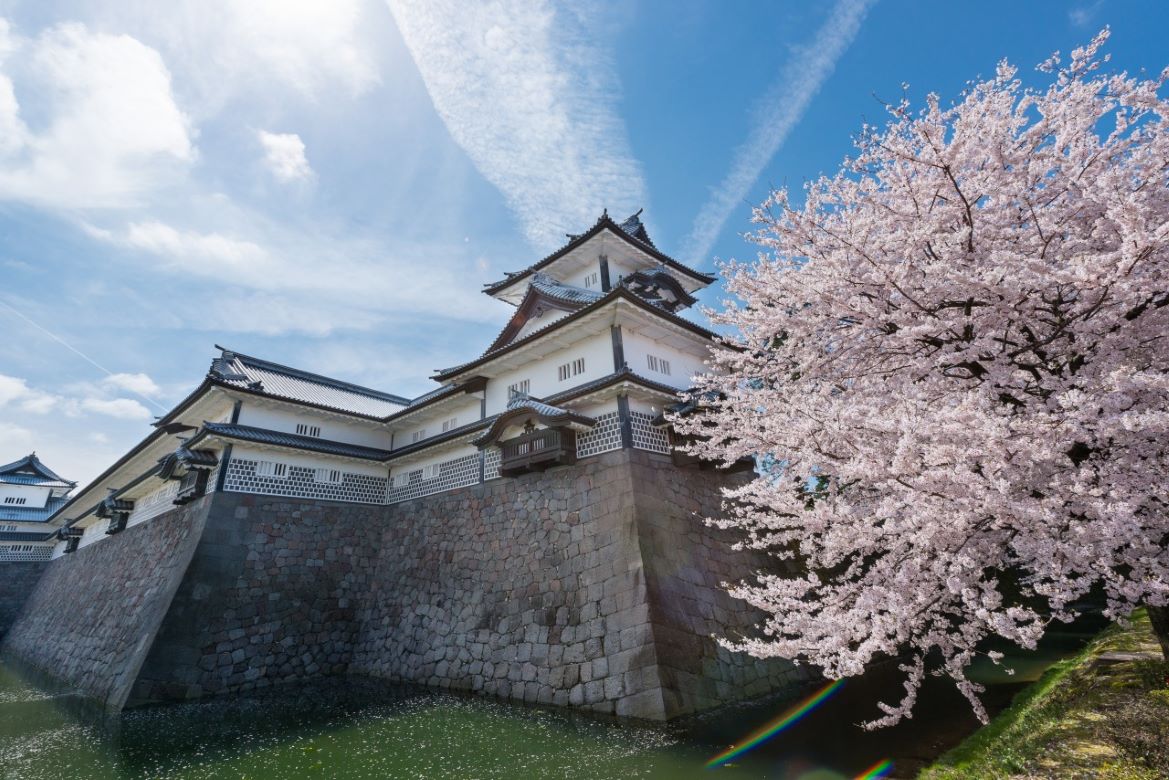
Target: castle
(525, 530)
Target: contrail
(780, 110)
(79, 353)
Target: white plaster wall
(35, 496)
(597, 351)
(467, 412)
(307, 460)
(683, 364)
(365, 433)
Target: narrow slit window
(592, 280)
(658, 365)
(308, 430)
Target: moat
(359, 728)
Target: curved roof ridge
(605, 221)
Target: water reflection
(360, 728)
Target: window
(450, 425)
(431, 470)
(9, 528)
(660, 365)
(328, 476)
(522, 387)
(15, 500)
(402, 479)
(572, 369)
(267, 468)
(592, 280)
(308, 430)
(417, 436)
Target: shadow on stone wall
(18, 579)
(95, 612)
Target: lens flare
(777, 725)
(877, 770)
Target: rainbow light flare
(778, 725)
(877, 770)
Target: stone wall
(594, 586)
(18, 579)
(568, 587)
(271, 596)
(686, 564)
(94, 613)
(529, 588)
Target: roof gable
(29, 470)
(543, 294)
(632, 231)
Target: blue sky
(328, 184)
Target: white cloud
(121, 408)
(284, 156)
(111, 130)
(206, 254)
(527, 93)
(15, 439)
(140, 384)
(780, 110)
(1082, 15)
(15, 393)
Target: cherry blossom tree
(953, 355)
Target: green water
(355, 728)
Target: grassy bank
(1102, 714)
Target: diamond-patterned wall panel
(301, 483)
(455, 473)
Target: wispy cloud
(284, 156)
(17, 395)
(528, 93)
(1083, 14)
(780, 110)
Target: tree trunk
(1160, 619)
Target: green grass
(1081, 719)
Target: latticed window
(308, 430)
(267, 468)
(522, 387)
(328, 476)
(450, 425)
(417, 436)
(15, 500)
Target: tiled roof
(32, 514)
(520, 401)
(517, 405)
(565, 292)
(602, 300)
(446, 436)
(29, 470)
(273, 379)
(624, 375)
(435, 394)
(281, 439)
(632, 229)
(26, 536)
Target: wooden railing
(536, 450)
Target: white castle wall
(597, 351)
(365, 433)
